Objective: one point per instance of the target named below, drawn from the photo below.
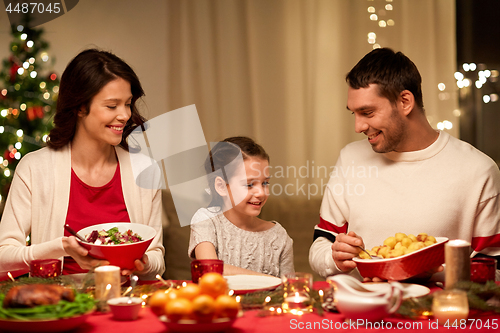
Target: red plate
(404, 267)
(46, 325)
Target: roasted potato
(400, 244)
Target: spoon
(368, 253)
(133, 281)
(73, 232)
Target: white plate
(410, 289)
(242, 284)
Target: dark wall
(478, 34)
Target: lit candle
(104, 276)
(450, 305)
(296, 287)
(457, 259)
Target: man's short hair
(392, 71)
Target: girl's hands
(80, 254)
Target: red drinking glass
(45, 268)
(482, 269)
(202, 266)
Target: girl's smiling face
(249, 190)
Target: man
(406, 177)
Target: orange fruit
(157, 302)
(213, 284)
(189, 291)
(203, 308)
(179, 308)
(226, 307)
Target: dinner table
(260, 321)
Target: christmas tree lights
(28, 93)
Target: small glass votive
(450, 305)
(45, 268)
(482, 269)
(202, 266)
(296, 293)
(107, 284)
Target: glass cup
(450, 305)
(296, 292)
(202, 266)
(45, 268)
(482, 269)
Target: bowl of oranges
(202, 307)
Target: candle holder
(450, 305)
(296, 293)
(457, 259)
(107, 285)
(45, 268)
(482, 270)
(202, 266)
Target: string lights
(27, 98)
(379, 16)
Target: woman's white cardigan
(38, 201)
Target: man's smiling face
(377, 118)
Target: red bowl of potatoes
(405, 266)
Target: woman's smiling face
(108, 114)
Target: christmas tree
(28, 93)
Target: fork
(368, 253)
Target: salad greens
(113, 236)
(64, 309)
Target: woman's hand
(80, 254)
(140, 265)
(344, 249)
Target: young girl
(230, 229)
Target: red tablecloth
(250, 322)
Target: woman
(84, 176)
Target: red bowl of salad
(120, 243)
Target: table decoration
(457, 259)
(125, 308)
(450, 305)
(202, 266)
(103, 276)
(270, 302)
(482, 269)
(296, 289)
(481, 297)
(45, 268)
